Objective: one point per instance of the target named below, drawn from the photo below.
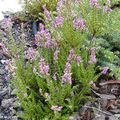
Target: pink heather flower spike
(30, 54)
(56, 54)
(48, 44)
(10, 66)
(5, 61)
(58, 21)
(44, 68)
(56, 108)
(2, 46)
(7, 22)
(94, 3)
(71, 55)
(46, 13)
(106, 9)
(60, 7)
(79, 24)
(41, 27)
(66, 78)
(105, 70)
(77, 1)
(92, 56)
(67, 68)
(78, 60)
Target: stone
(14, 118)
(99, 117)
(2, 71)
(16, 104)
(1, 80)
(75, 117)
(6, 103)
(108, 97)
(113, 118)
(4, 91)
(13, 92)
(115, 111)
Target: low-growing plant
(53, 79)
(35, 7)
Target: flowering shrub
(34, 7)
(54, 79)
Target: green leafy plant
(35, 7)
(54, 79)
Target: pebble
(2, 71)
(115, 111)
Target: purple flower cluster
(73, 56)
(30, 54)
(46, 13)
(78, 60)
(56, 54)
(94, 3)
(77, 1)
(60, 7)
(105, 70)
(56, 108)
(10, 66)
(92, 56)
(106, 8)
(2, 46)
(7, 22)
(44, 68)
(66, 78)
(43, 37)
(59, 20)
(79, 24)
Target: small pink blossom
(105, 70)
(5, 61)
(60, 7)
(71, 55)
(77, 1)
(43, 35)
(55, 76)
(92, 83)
(56, 54)
(66, 78)
(106, 9)
(10, 66)
(79, 24)
(44, 68)
(7, 22)
(30, 54)
(92, 56)
(94, 3)
(78, 60)
(67, 68)
(2, 46)
(46, 13)
(56, 108)
(48, 44)
(58, 21)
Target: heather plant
(54, 79)
(34, 7)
